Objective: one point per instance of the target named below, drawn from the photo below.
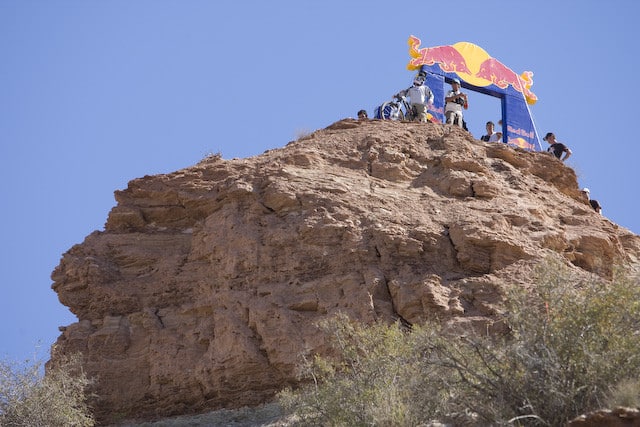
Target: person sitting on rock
(594, 203)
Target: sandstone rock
(203, 290)
(618, 417)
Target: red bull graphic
(520, 137)
(502, 76)
(522, 143)
(447, 57)
(499, 74)
(480, 72)
(461, 58)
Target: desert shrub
(362, 383)
(625, 393)
(302, 134)
(569, 342)
(27, 398)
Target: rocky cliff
(203, 289)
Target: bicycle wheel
(389, 111)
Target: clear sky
(96, 93)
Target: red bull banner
(479, 72)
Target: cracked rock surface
(203, 290)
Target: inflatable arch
(479, 72)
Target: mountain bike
(397, 108)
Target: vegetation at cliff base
(569, 346)
(57, 399)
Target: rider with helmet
(420, 96)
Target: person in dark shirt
(557, 148)
(594, 203)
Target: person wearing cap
(455, 101)
(420, 97)
(594, 203)
(362, 114)
(557, 148)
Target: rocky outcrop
(617, 417)
(204, 288)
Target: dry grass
(57, 399)
(269, 415)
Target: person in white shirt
(455, 101)
(491, 135)
(420, 97)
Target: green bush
(361, 385)
(57, 399)
(570, 347)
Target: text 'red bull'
(520, 140)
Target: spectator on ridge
(455, 101)
(557, 148)
(491, 135)
(362, 114)
(594, 203)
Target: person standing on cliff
(455, 102)
(557, 148)
(491, 135)
(420, 97)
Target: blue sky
(95, 93)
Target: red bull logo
(472, 64)
(447, 57)
(499, 74)
(520, 140)
(431, 117)
(522, 143)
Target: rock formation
(204, 288)
(617, 417)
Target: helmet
(419, 80)
(455, 81)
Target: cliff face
(203, 289)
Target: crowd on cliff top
(420, 100)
